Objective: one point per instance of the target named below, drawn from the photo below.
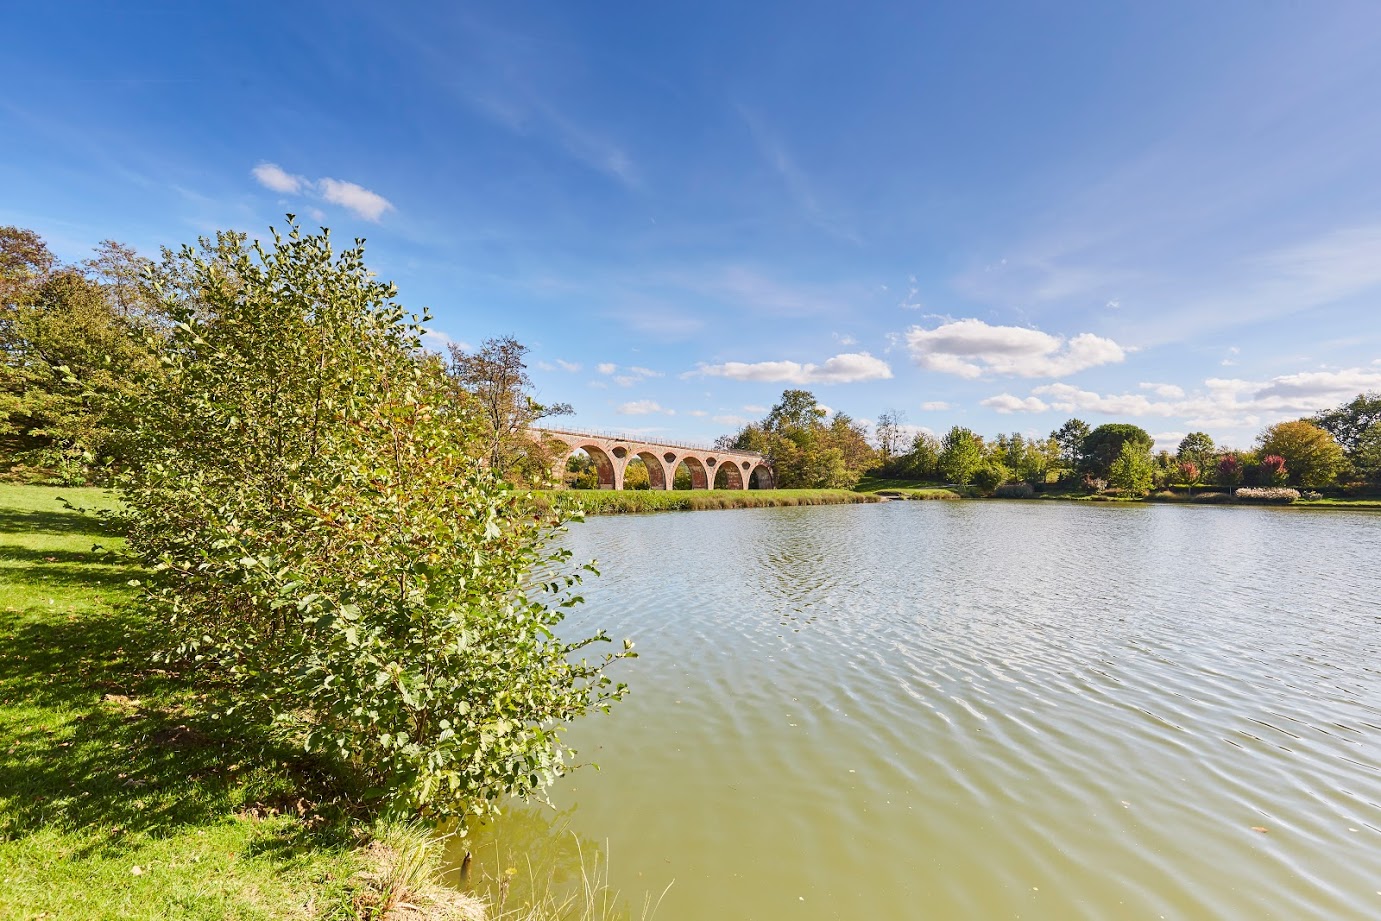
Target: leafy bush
(325, 546)
(1015, 491)
(1267, 494)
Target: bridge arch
(699, 475)
(656, 468)
(728, 476)
(760, 477)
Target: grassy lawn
(119, 797)
(614, 502)
(911, 489)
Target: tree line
(1336, 449)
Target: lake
(1031, 710)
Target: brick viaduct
(709, 468)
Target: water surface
(983, 710)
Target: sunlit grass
(118, 796)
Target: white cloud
(1168, 441)
(847, 368)
(606, 367)
(630, 376)
(1006, 403)
(1164, 390)
(698, 413)
(731, 420)
(844, 339)
(641, 408)
(355, 198)
(1220, 402)
(932, 406)
(364, 203)
(754, 409)
(272, 176)
(971, 348)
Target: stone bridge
(709, 468)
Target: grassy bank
(619, 502)
(120, 795)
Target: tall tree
(961, 454)
(1357, 427)
(67, 355)
(805, 450)
(494, 381)
(1104, 444)
(1070, 437)
(888, 432)
(1197, 448)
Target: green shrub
(1015, 491)
(325, 547)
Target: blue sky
(994, 215)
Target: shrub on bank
(324, 545)
(1282, 494)
(1015, 491)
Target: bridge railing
(638, 439)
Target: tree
(1196, 448)
(805, 451)
(1132, 470)
(1357, 427)
(961, 454)
(1070, 437)
(990, 475)
(495, 382)
(1104, 444)
(329, 549)
(1229, 470)
(67, 354)
(1312, 456)
(1189, 473)
(889, 434)
(635, 475)
(921, 461)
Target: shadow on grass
(97, 741)
(57, 521)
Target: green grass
(120, 797)
(911, 489)
(616, 502)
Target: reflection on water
(981, 710)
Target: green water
(979, 710)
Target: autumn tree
(1313, 457)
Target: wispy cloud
(971, 348)
(354, 198)
(841, 369)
